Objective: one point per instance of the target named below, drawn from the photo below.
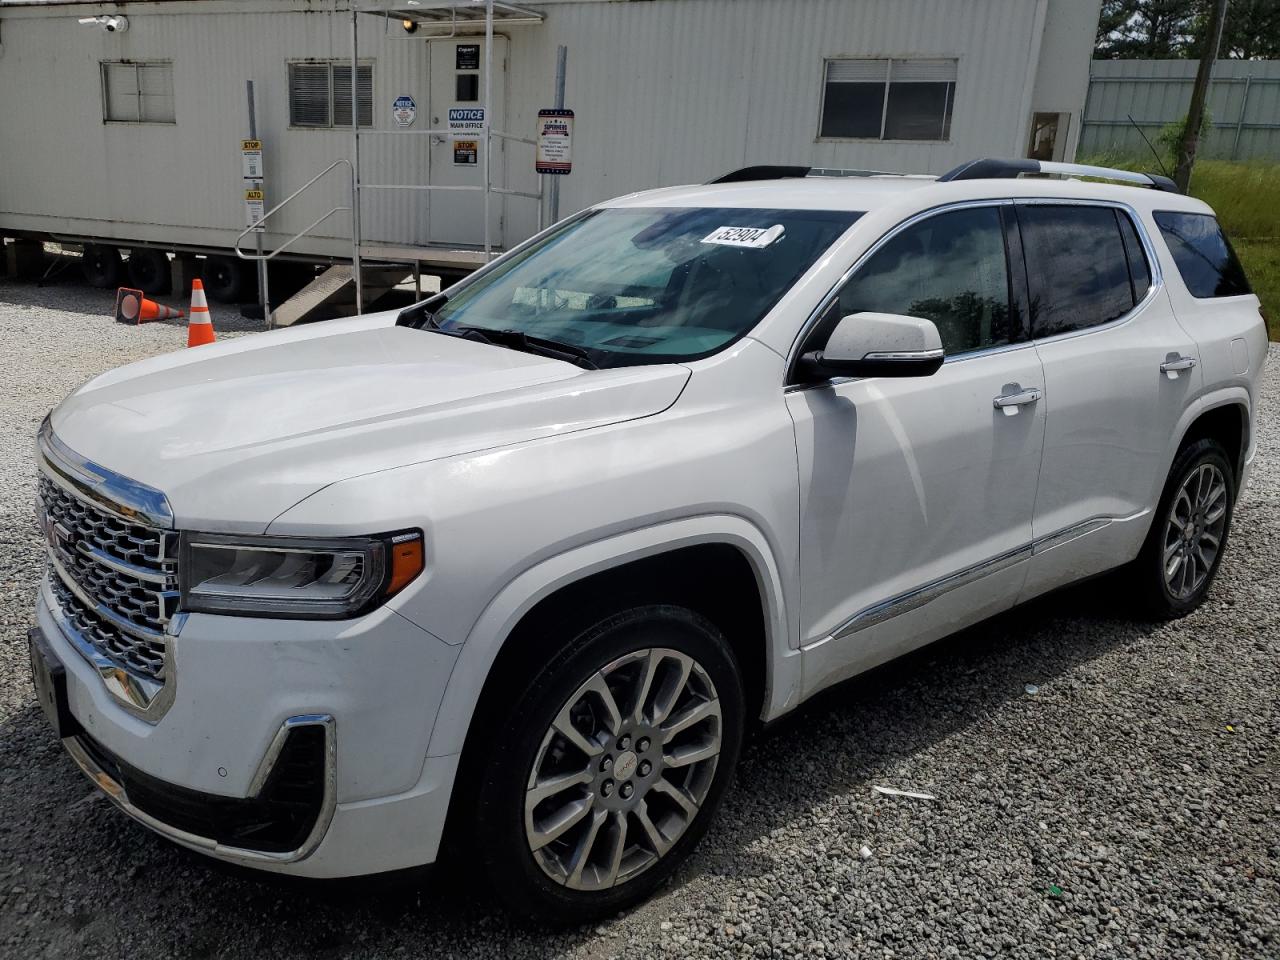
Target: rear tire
(1188, 534)
(149, 270)
(101, 266)
(640, 788)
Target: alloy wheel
(1193, 532)
(623, 769)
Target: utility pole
(1199, 93)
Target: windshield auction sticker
(754, 237)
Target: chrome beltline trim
(116, 793)
(145, 699)
(918, 597)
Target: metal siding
(1158, 92)
(667, 91)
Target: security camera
(109, 24)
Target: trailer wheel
(223, 279)
(101, 265)
(149, 270)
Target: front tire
(1188, 535)
(610, 765)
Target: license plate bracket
(49, 677)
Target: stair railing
(246, 255)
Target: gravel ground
(1127, 808)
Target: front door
(917, 493)
(457, 158)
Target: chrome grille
(115, 579)
(145, 657)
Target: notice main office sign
(468, 120)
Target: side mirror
(877, 345)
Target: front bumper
(373, 685)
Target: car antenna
(1153, 150)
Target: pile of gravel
(1127, 807)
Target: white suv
(511, 573)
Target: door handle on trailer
(1176, 362)
(1015, 398)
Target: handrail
(280, 206)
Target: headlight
(295, 576)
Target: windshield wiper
(543, 346)
(422, 316)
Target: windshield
(631, 286)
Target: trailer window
(888, 99)
(320, 94)
(135, 92)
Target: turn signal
(406, 561)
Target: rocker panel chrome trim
(918, 597)
(914, 599)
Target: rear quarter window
(1204, 258)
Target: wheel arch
(1224, 417)
(654, 557)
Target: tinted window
(950, 269)
(1076, 267)
(1204, 257)
(1139, 270)
(634, 285)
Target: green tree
(1163, 29)
(1146, 29)
(1252, 30)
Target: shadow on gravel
(63, 847)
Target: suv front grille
(127, 569)
(134, 654)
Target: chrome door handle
(1017, 397)
(1176, 362)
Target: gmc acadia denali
(508, 574)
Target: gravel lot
(1128, 808)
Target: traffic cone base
(200, 326)
(133, 307)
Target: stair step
(334, 292)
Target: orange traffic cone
(133, 307)
(200, 327)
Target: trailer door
(457, 159)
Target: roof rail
(770, 172)
(995, 169)
(763, 172)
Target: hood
(236, 433)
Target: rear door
(916, 494)
(1119, 372)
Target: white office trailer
(124, 122)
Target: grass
(1261, 259)
(1246, 197)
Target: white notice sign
(254, 204)
(251, 159)
(555, 142)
